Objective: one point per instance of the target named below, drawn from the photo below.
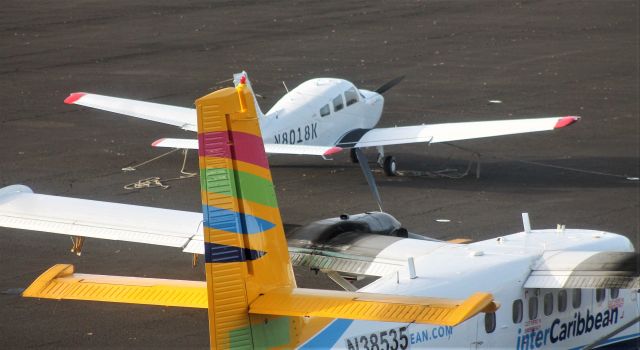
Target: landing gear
(353, 156)
(389, 166)
(387, 163)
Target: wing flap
(447, 132)
(371, 307)
(22, 209)
(578, 269)
(347, 264)
(181, 117)
(270, 148)
(60, 282)
(356, 253)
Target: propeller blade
(366, 171)
(388, 85)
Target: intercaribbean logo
(560, 331)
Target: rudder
(245, 247)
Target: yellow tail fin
(245, 247)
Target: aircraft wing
(22, 209)
(580, 269)
(270, 148)
(448, 132)
(181, 117)
(359, 254)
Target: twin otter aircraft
(562, 289)
(321, 117)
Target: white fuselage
(320, 112)
(501, 267)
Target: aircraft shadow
(495, 175)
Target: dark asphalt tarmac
(539, 57)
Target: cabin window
(576, 298)
(615, 292)
(351, 96)
(338, 104)
(517, 311)
(490, 322)
(562, 300)
(600, 295)
(548, 304)
(533, 308)
(325, 110)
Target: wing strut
(364, 165)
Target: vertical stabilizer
(245, 247)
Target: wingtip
(157, 142)
(73, 97)
(566, 121)
(332, 150)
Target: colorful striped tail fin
(245, 246)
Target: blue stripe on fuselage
(328, 337)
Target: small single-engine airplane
(321, 117)
(563, 288)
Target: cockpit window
(338, 104)
(325, 110)
(351, 96)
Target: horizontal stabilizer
(371, 307)
(271, 148)
(575, 269)
(60, 282)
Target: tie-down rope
(156, 181)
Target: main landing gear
(387, 163)
(389, 166)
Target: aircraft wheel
(389, 166)
(353, 156)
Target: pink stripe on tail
(252, 150)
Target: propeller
(364, 165)
(388, 85)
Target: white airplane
(557, 289)
(321, 117)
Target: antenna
(526, 223)
(285, 86)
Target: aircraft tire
(389, 166)
(353, 156)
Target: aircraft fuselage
(320, 112)
(528, 318)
